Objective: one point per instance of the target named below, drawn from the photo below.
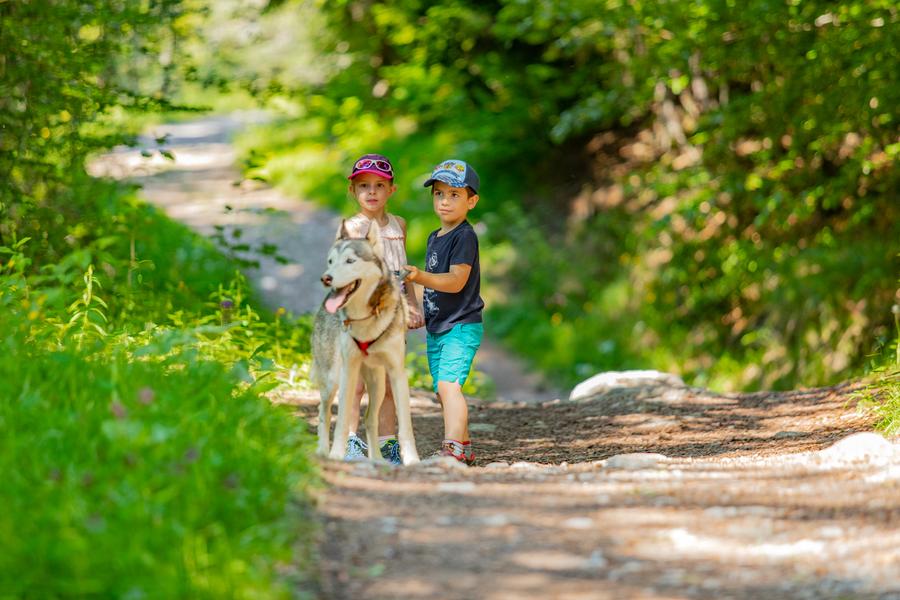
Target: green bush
(142, 460)
(139, 458)
(137, 479)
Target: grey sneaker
(356, 449)
(390, 451)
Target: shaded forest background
(708, 188)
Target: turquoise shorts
(450, 353)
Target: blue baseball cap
(455, 173)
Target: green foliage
(706, 187)
(142, 459)
(139, 456)
(133, 478)
(61, 65)
(881, 394)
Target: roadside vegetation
(139, 457)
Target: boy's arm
(450, 283)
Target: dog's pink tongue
(336, 299)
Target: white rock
(578, 523)
(498, 520)
(603, 382)
(636, 460)
(859, 447)
(444, 462)
(497, 465)
(456, 487)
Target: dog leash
(401, 275)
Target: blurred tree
(732, 167)
(63, 62)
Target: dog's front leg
(349, 377)
(374, 378)
(400, 387)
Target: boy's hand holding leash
(451, 282)
(409, 273)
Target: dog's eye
(350, 261)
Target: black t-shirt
(444, 310)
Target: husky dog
(361, 329)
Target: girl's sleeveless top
(391, 235)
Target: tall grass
(136, 479)
(881, 393)
(139, 457)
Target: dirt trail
(654, 492)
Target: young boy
(452, 300)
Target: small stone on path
(636, 460)
(456, 487)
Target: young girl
(371, 184)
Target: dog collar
(348, 320)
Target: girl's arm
(416, 319)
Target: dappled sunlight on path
(652, 492)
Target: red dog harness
(364, 346)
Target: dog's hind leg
(400, 387)
(349, 377)
(326, 393)
(374, 378)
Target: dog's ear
(343, 234)
(374, 238)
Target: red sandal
(461, 451)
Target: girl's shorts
(450, 353)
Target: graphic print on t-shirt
(429, 296)
(429, 303)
